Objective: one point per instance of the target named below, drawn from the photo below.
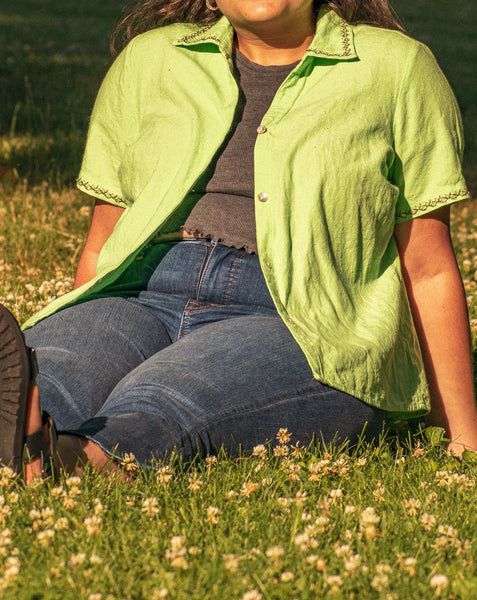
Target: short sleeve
(428, 140)
(113, 127)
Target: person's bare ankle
(33, 424)
(33, 420)
(103, 462)
(33, 471)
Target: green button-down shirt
(362, 134)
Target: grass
(375, 523)
(285, 524)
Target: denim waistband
(209, 271)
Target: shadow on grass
(53, 157)
(53, 57)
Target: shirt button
(263, 197)
(140, 257)
(261, 129)
(268, 264)
(290, 320)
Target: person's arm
(105, 217)
(439, 309)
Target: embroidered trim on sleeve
(432, 204)
(100, 191)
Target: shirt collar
(333, 37)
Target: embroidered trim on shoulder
(344, 41)
(100, 191)
(432, 204)
(191, 37)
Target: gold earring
(210, 6)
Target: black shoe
(17, 370)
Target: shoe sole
(14, 388)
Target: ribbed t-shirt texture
(225, 212)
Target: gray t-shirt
(225, 212)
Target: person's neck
(280, 47)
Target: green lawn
(390, 522)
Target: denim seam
(244, 411)
(184, 321)
(205, 266)
(202, 308)
(376, 411)
(232, 276)
(187, 314)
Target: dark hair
(148, 14)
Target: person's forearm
(86, 267)
(105, 217)
(440, 315)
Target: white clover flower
(179, 562)
(382, 568)
(76, 560)
(412, 506)
(448, 531)
(213, 513)
(352, 563)
(409, 565)
(249, 488)
(57, 492)
(61, 523)
(369, 517)
(427, 521)
(274, 552)
(343, 550)
(160, 594)
(231, 562)
(210, 462)
(334, 582)
(149, 507)
(439, 582)
(92, 524)
(195, 483)
(164, 475)
(260, 451)
(73, 481)
(380, 582)
(12, 567)
(45, 537)
(283, 436)
(177, 542)
(302, 539)
(281, 451)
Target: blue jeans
(199, 361)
